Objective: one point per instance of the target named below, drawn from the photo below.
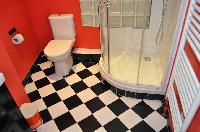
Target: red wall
(31, 20)
(194, 126)
(87, 37)
(13, 14)
(12, 78)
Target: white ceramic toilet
(59, 49)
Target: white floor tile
(155, 104)
(108, 97)
(38, 75)
(78, 67)
(130, 118)
(94, 69)
(91, 80)
(86, 95)
(81, 112)
(53, 78)
(45, 65)
(130, 102)
(156, 121)
(104, 115)
(46, 90)
(30, 87)
(57, 109)
(66, 93)
(40, 105)
(49, 127)
(73, 79)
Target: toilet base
(63, 68)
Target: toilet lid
(58, 47)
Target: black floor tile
(42, 82)
(142, 109)
(35, 68)
(116, 126)
(99, 88)
(33, 96)
(42, 59)
(95, 104)
(60, 84)
(64, 121)
(165, 129)
(79, 86)
(45, 115)
(120, 92)
(142, 127)
(49, 71)
(88, 64)
(98, 75)
(118, 107)
(51, 99)
(95, 57)
(84, 73)
(72, 102)
(27, 81)
(161, 111)
(89, 124)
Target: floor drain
(147, 58)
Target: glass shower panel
(103, 14)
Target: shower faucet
(108, 3)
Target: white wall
(171, 18)
(149, 39)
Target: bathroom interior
(99, 65)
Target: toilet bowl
(59, 49)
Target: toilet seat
(57, 48)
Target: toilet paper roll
(17, 39)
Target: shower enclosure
(135, 43)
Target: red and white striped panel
(184, 87)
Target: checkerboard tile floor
(81, 102)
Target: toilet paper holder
(17, 38)
(13, 31)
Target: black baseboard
(121, 92)
(86, 57)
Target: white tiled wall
(122, 13)
(89, 12)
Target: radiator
(184, 87)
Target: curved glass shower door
(128, 20)
(132, 53)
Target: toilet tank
(62, 26)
